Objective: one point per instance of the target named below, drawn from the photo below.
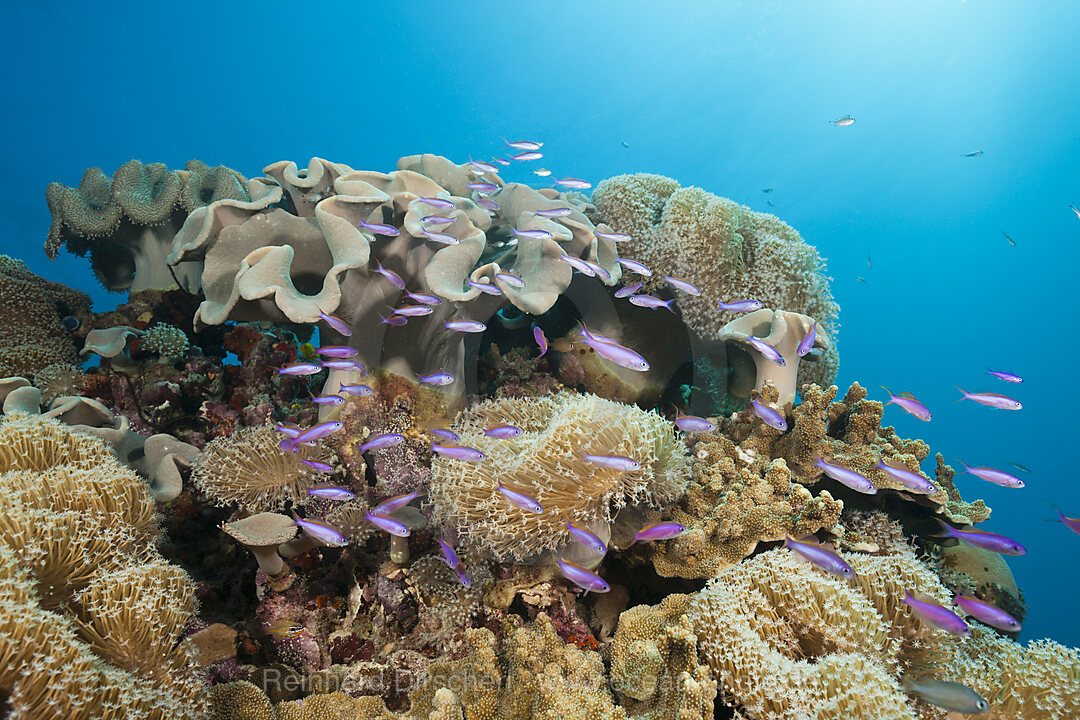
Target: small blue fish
(503, 432)
(437, 379)
(521, 500)
(1006, 376)
(741, 306)
(328, 399)
(523, 144)
(390, 525)
(331, 493)
(621, 356)
(585, 579)
(483, 166)
(380, 442)
(528, 155)
(344, 365)
(587, 538)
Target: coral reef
(545, 461)
(725, 249)
(127, 222)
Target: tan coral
(725, 249)
(249, 469)
(546, 462)
(58, 379)
(31, 308)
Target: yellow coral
(248, 468)
(724, 248)
(546, 462)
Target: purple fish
(987, 613)
(436, 220)
(1006, 376)
(587, 538)
(1071, 523)
(908, 404)
(533, 234)
(390, 275)
(694, 424)
(483, 166)
(741, 306)
(320, 466)
(289, 429)
(822, 557)
(300, 369)
(344, 365)
(380, 229)
(940, 617)
(336, 323)
(585, 579)
(488, 203)
(771, 417)
(413, 310)
(395, 320)
(358, 390)
(648, 301)
(338, 351)
(327, 399)
(503, 432)
(469, 326)
(504, 161)
(521, 500)
(807, 343)
(680, 284)
(635, 266)
(628, 290)
(446, 434)
(529, 155)
(578, 264)
(523, 144)
(510, 279)
(541, 340)
(575, 183)
(449, 555)
(321, 531)
(438, 203)
(621, 356)
(482, 186)
(912, 481)
(484, 287)
(390, 525)
(331, 493)
(612, 236)
(392, 505)
(659, 531)
(991, 400)
(767, 351)
(844, 476)
(423, 299)
(440, 237)
(380, 442)
(318, 431)
(598, 271)
(981, 539)
(463, 578)
(436, 379)
(615, 462)
(554, 212)
(459, 452)
(998, 477)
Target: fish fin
(962, 390)
(892, 397)
(944, 530)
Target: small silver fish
(947, 695)
(741, 306)
(532, 234)
(542, 172)
(485, 287)
(694, 424)
(635, 266)
(344, 365)
(300, 369)
(503, 432)
(510, 279)
(554, 212)
(612, 236)
(469, 326)
(575, 183)
(528, 155)
(483, 166)
(331, 493)
(977, 153)
(843, 121)
(523, 144)
(615, 462)
(683, 285)
(423, 299)
(653, 303)
(438, 203)
(1009, 239)
(437, 379)
(440, 237)
(578, 264)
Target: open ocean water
(731, 97)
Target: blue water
(734, 97)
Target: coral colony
(431, 444)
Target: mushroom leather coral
(78, 532)
(546, 462)
(31, 336)
(724, 248)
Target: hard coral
(31, 308)
(724, 248)
(167, 341)
(546, 462)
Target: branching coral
(546, 461)
(90, 615)
(31, 308)
(249, 469)
(725, 249)
(167, 341)
(127, 222)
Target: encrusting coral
(724, 248)
(545, 461)
(90, 615)
(31, 308)
(126, 223)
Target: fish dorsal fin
(923, 597)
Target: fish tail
(892, 398)
(962, 390)
(945, 529)
(962, 463)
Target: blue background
(733, 97)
